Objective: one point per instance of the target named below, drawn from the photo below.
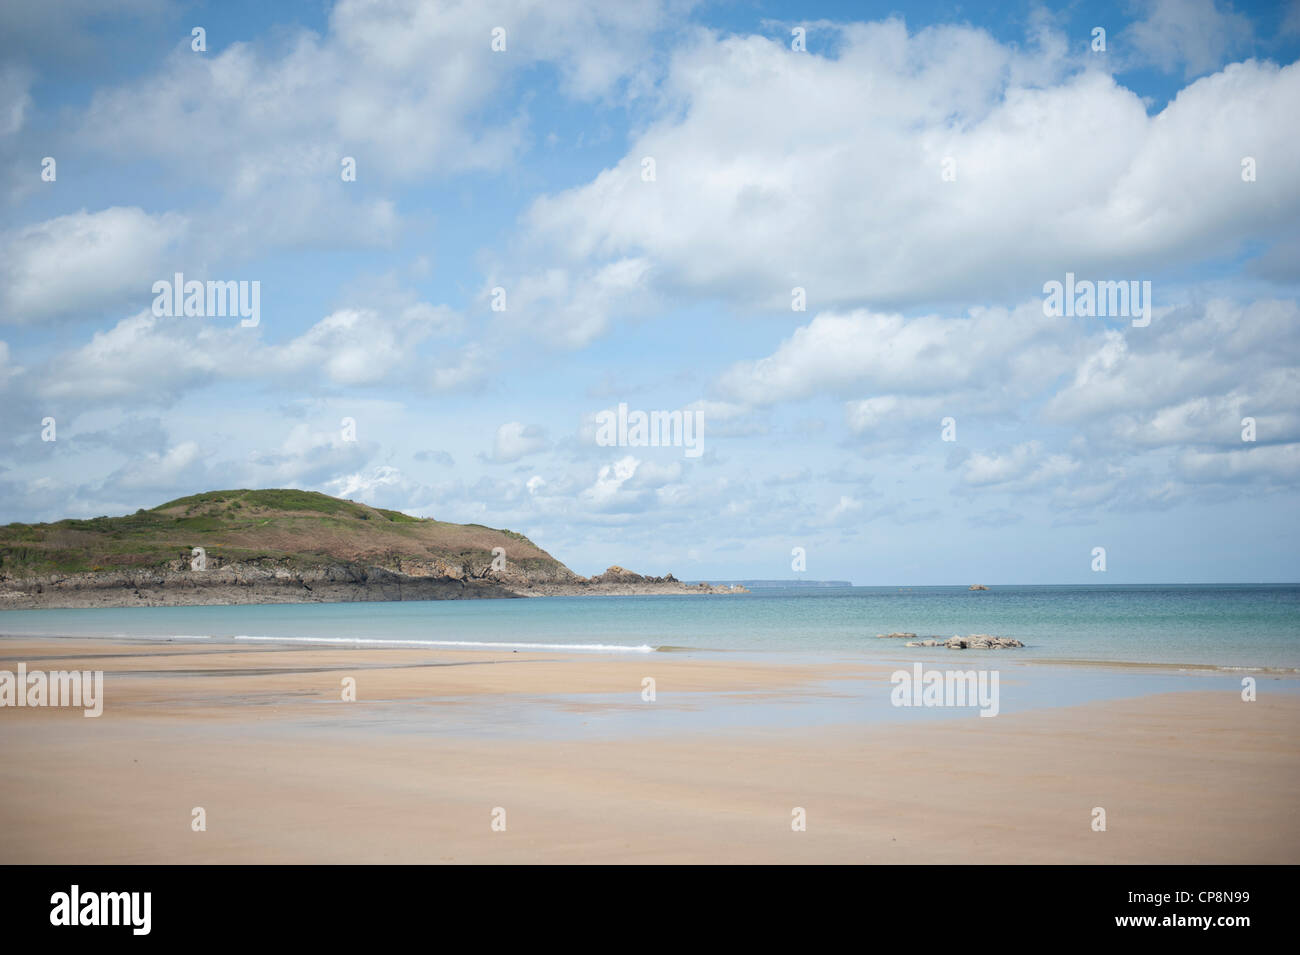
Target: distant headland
(777, 584)
(286, 546)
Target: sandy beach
(438, 741)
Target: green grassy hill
(296, 529)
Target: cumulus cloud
(181, 466)
(144, 358)
(402, 87)
(1024, 466)
(405, 90)
(306, 457)
(606, 492)
(360, 346)
(1191, 380)
(373, 486)
(461, 369)
(151, 360)
(989, 360)
(1101, 398)
(1198, 35)
(1278, 464)
(570, 308)
(762, 186)
(515, 440)
(874, 415)
(83, 262)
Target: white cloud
(606, 492)
(149, 359)
(1185, 382)
(998, 353)
(144, 358)
(878, 414)
(179, 466)
(1024, 466)
(1198, 35)
(1276, 463)
(468, 367)
(515, 440)
(407, 89)
(307, 456)
(762, 185)
(560, 306)
(1188, 378)
(360, 346)
(369, 486)
(84, 261)
(400, 86)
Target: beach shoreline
(587, 770)
(936, 655)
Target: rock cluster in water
(976, 641)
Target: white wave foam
(462, 644)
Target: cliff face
(282, 546)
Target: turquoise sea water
(1230, 625)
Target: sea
(1222, 626)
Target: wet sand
(438, 741)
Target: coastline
(587, 770)
(233, 586)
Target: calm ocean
(1248, 625)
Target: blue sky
(919, 171)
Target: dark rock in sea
(981, 641)
(976, 641)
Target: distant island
(286, 546)
(778, 584)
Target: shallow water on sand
(1230, 625)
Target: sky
(827, 232)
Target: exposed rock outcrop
(976, 641)
(618, 581)
(278, 582)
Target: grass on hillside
(304, 528)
